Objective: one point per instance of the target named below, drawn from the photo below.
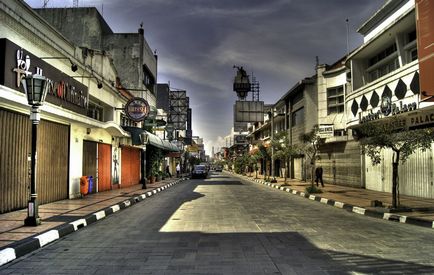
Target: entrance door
(130, 166)
(104, 167)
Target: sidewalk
(420, 210)
(65, 212)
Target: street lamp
(36, 88)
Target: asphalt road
(225, 225)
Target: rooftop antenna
(45, 4)
(75, 4)
(348, 33)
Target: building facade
(80, 129)
(386, 83)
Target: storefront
(53, 135)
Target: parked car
(218, 168)
(199, 171)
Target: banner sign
(17, 63)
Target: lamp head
(36, 89)
(74, 67)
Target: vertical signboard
(425, 46)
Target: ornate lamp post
(36, 88)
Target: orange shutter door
(130, 166)
(104, 167)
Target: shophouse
(340, 154)
(136, 66)
(392, 77)
(80, 129)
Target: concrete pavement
(66, 216)
(419, 211)
(227, 225)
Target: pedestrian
(178, 170)
(318, 176)
(168, 171)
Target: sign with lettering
(326, 130)
(388, 108)
(137, 109)
(16, 63)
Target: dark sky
(199, 41)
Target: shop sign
(388, 108)
(240, 139)
(326, 130)
(137, 109)
(64, 91)
(422, 118)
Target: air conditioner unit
(144, 138)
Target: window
(297, 117)
(410, 47)
(126, 121)
(412, 54)
(384, 69)
(95, 111)
(382, 55)
(335, 100)
(297, 98)
(411, 36)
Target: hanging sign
(137, 109)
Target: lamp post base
(33, 218)
(32, 221)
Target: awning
(114, 129)
(140, 136)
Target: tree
(311, 145)
(253, 161)
(240, 163)
(282, 148)
(376, 136)
(265, 156)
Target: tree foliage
(282, 148)
(311, 145)
(376, 136)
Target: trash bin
(84, 185)
(90, 180)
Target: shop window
(297, 117)
(335, 100)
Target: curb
(349, 207)
(30, 244)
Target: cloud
(217, 143)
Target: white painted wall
(389, 20)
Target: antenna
(45, 4)
(75, 4)
(348, 33)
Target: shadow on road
(139, 247)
